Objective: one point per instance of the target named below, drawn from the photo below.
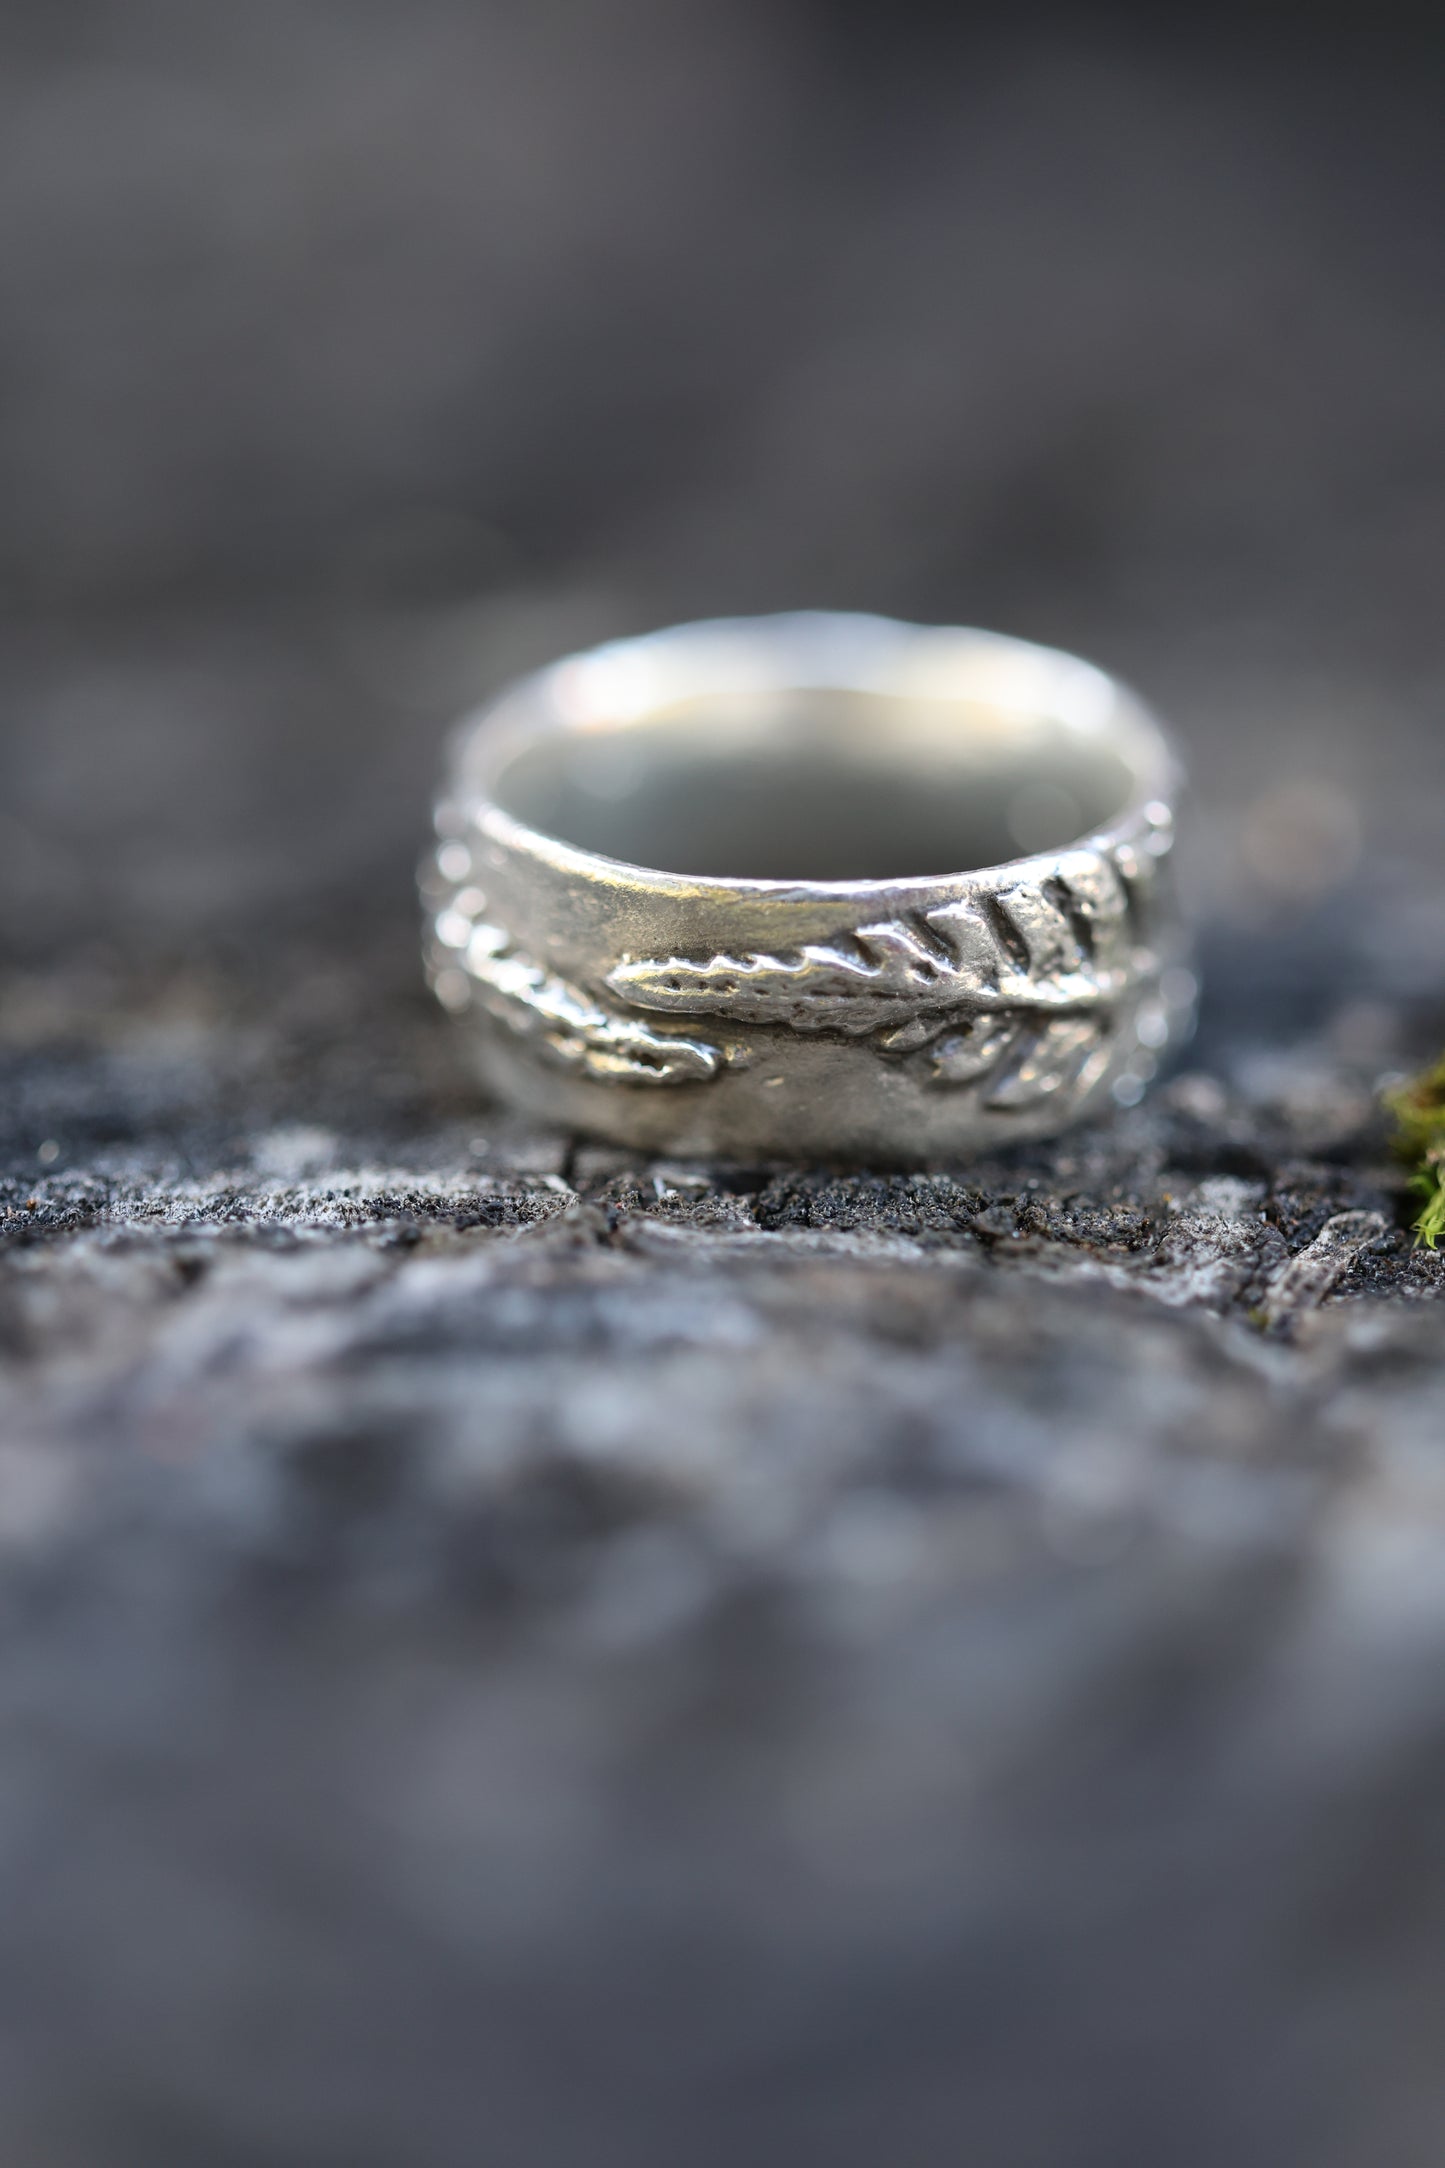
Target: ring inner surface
(819, 786)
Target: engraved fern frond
(1057, 945)
(572, 1027)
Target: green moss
(1419, 1111)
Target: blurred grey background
(513, 1653)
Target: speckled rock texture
(514, 1653)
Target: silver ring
(811, 885)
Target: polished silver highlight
(670, 889)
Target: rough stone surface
(513, 1652)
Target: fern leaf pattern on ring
(568, 1024)
(1022, 977)
(1009, 990)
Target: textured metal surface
(892, 1019)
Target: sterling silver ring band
(816, 885)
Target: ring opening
(819, 786)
